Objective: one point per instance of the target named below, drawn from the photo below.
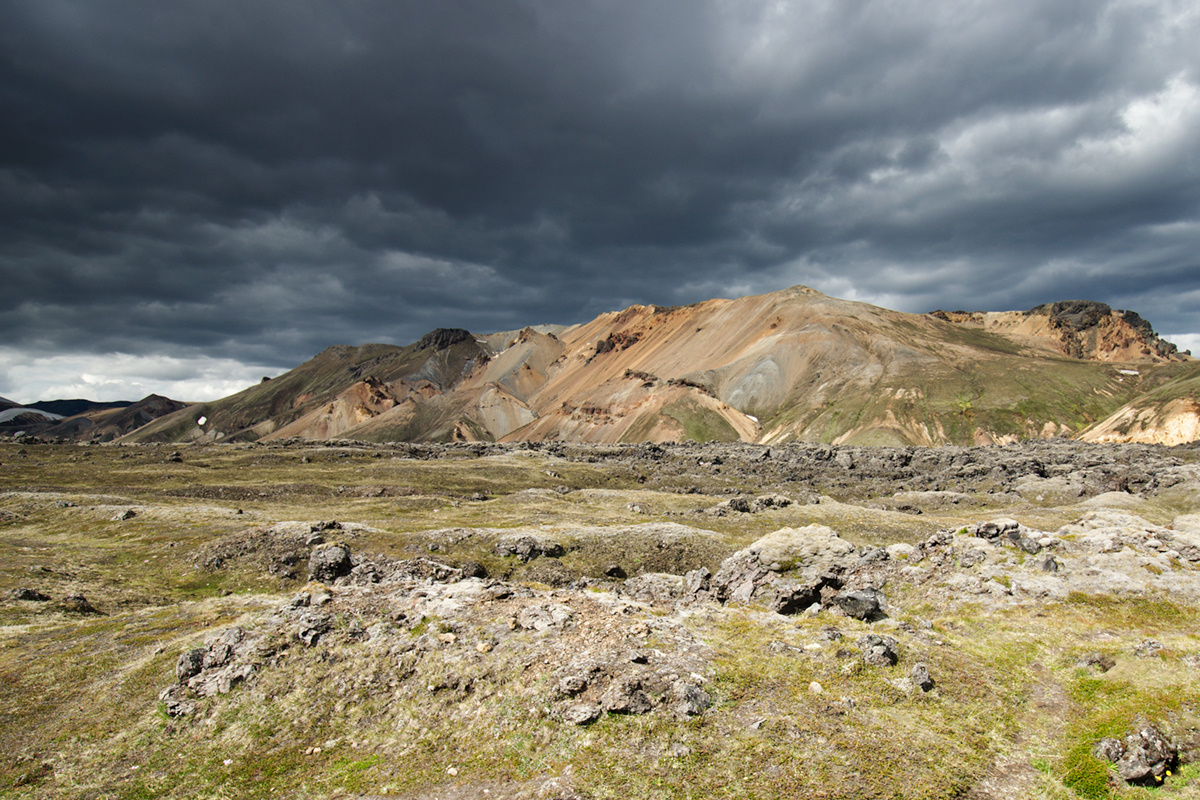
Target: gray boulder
(571, 685)
(313, 626)
(689, 700)
(919, 676)
(766, 501)
(696, 581)
(581, 713)
(222, 650)
(328, 562)
(878, 651)
(527, 547)
(656, 588)
(626, 697)
(996, 528)
(811, 558)
(1142, 758)
(740, 577)
(544, 617)
(810, 553)
(190, 664)
(864, 604)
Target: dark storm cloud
(256, 181)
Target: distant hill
(18, 418)
(785, 366)
(112, 422)
(69, 408)
(96, 422)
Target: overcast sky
(196, 194)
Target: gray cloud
(253, 182)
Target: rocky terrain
(555, 620)
(788, 366)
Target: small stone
(1095, 661)
(77, 604)
(581, 713)
(971, 558)
(626, 697)
(831, 634)
(1148, 649)
(473, 569)
(864, 604)
(690, 699)
(544, 617)
(312, 626)
(1147, 757)
(527, 548)
(572, 685)
(190, 664)
(920, 677)
(696, 581)
(878, 651)
(815, 688)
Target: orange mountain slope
(788, 365)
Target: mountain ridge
(792, 365)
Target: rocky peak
(441, 338)
(1090, 330)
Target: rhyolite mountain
(792, 365)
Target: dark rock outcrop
(441, 338)
(865, 604)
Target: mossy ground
(79, 715)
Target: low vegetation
(402, 695)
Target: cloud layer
(245, 184)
